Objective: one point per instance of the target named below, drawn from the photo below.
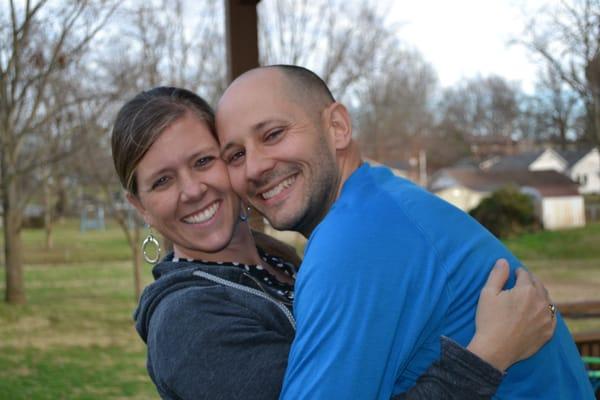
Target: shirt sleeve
(201, 346)
(369, 297)
(459, 374)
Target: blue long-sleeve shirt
(389, 270)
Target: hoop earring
(150, 240)
(244, 217)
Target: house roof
(401, 165)
(524, 160)
(396, 170)
(573, 156)
(516, 161)
(547, 183)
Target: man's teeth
(203, 215)
(279, 188)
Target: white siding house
(582, 166)
(586, 171)
(562, 212)
(548, 160)
(462, 197)
(557, 202)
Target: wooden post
(241, 26)
(242, 36)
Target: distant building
(400, 168)
(582, 166)
(557, 200)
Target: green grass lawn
(571, 244)
(75, 337)
(568, 262)
(72, 246)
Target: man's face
(279, 156)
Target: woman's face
(184, 190)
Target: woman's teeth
(203, 215)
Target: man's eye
(236, 156)
(160, 182)
(204, 161)
(273, 135)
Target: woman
(217, 320)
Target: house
(582, 166)
(557, 200)
(400, 168)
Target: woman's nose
(191, 188)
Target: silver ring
(552, 309)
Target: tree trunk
(15, 286)
(48, 215)
(137, 263)
(596, 127)
(592, 74)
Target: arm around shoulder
(458, 374)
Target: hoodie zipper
(247, 289)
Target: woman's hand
(513, 324)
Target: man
(388, 268)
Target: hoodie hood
(173, 276)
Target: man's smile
(279, 188)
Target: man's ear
(339, 124)
(135, 201)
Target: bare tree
(477, 112)
(168, 43)
(338, 41)
(395, 115)
(482, 107)
(94, 170)
(566, 37)
(158, 46)
(552, 113)
(39, 41)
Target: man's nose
(257, 163)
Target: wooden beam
(588, 344)
(584, 309)
(241, 27)
(242, 36)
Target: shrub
(507, 212)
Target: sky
(466, 38)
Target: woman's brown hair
(142, 119)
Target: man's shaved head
(305, 86)
(299, 85)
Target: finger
(498, 276)
(523, 278)
(553, 324)
(539, 286)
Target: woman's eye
(160, 182)
(273, 135)
(204, 161)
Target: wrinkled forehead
(252, 88)
(249, 101)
